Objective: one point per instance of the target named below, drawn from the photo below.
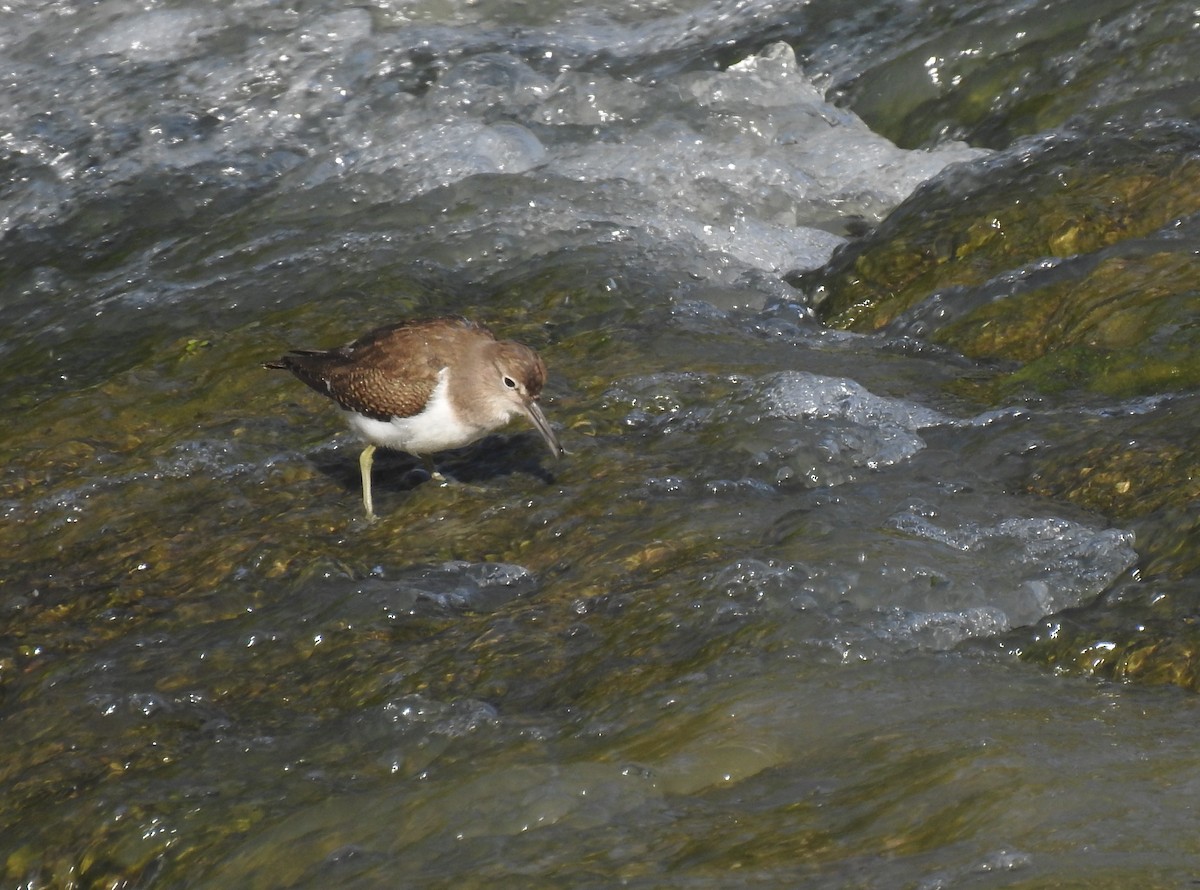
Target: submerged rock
(1072, 260)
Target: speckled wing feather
(379, 375)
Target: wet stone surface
(828, 554)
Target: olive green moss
(1128, 326)
(1068, 272)
(1143, 473)
(991, 85)
(1152, 640)
(1064, 197)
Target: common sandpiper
(426, 386)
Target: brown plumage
(426, 386)
(392, 370)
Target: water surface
(763, 625)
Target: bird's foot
(428, 467)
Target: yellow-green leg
(364, 465)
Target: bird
(425, 386)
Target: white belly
(437, 428)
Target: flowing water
(760, 628)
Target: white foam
(798, 394)
(745, 170)
(153, 36)
(929, 576)
(784, 431)
(1028, 567)
(753, 154)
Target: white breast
(438, 428)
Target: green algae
(1069, 268)
(1069, 276)
(189, 496)
(992, 83)
(1122, 480)
(1126, 327)
(1143, 473)
(1151, 640)
(1117, 318)
(148, 500)
(1067, 196)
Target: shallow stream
(800, 607)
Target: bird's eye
(510, 383)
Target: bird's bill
(534, 412)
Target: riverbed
(815, 598)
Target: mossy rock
(1066, 196)
(1152, 637)
(1039, 71)
(1125, 325)
(1140, 469)
(1124, 480)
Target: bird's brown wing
(388, 372)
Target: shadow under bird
(426, 386)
